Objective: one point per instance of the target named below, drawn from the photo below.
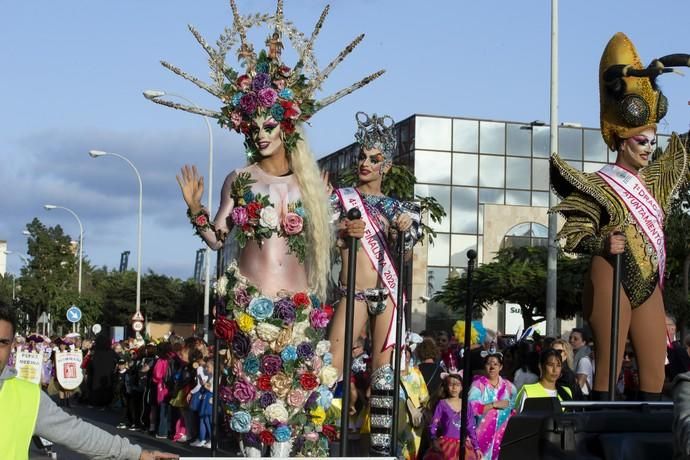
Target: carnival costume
(378, 212)
(615, 199)
(275, 387)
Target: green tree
(518, 275)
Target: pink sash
(643, 207)
(376, 249)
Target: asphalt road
(108, 419)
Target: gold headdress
(630, 99)
(266, 86)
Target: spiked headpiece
(266, 86)
(630, 99)
(376, 132)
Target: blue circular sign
(73, 314)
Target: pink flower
(257, 427)
(242, 297)
(318, 318)
(239, 215)
(292, 223)
(316, 363)
(312, 436)
(296, 398)
(267, 97)
(258, 347)
(244, 392)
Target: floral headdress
(266, 86)
(376, 132)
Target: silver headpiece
(376, 132)
(294, 88)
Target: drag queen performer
(621, 209)
(382, 218)
(277, 380)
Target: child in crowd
(204, 406)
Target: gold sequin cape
(592, 210)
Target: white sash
(643, 207)
(376, 249)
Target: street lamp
(50, 207)
(152, 95)
(100, 153)
(26, 262)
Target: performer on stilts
(621, 208)
(377, 282)
(276, 384)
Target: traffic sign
(73, 314)
(137, 326)
(96, 328)
(138, 317)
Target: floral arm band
(200, 220)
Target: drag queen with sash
(377, 282)
(621, 208)
(276, 384)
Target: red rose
(243, 82)
(244, 128)
(287, 126)
(266, 437)
(201, 220)
(264, 382)
(225, 328)
(328, 309)
(301, 299)
(330, 432)
(247, 228)
(254, 210)
(308, 381)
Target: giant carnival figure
(276, 383)
(620, 209)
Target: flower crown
(376, 132)
(266, 86)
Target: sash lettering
(643, 207)
(376, 250)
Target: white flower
(222, 285)
(299, 332)
(323, 347)
(276, 411)
(328, 375)
(267, 331)
(269, 217)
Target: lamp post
(100, 153)
(50, 207)
(155, 94)
(26, 262)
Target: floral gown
(487, 429)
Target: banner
(68, 369)
(28, 365)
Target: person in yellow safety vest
(28, 411)
(550, 365)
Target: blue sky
(72, 74)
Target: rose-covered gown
(275, 389)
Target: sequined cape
(592, 210)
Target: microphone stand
(467, 370)
(352, 214)
(615, 318)
(400, 311)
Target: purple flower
(241, 345)
(271, 364)
(318, 318)
(250, 439)
(305, 350)
(267, 97)
(285, 311)
(249, 103)
(312, 401)
(242, 297)
(266, 399)
(244, 392)
(225, 393)
(261, 81)
(239, 215)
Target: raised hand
(192, 187)
(403, 222)
(616, 243)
